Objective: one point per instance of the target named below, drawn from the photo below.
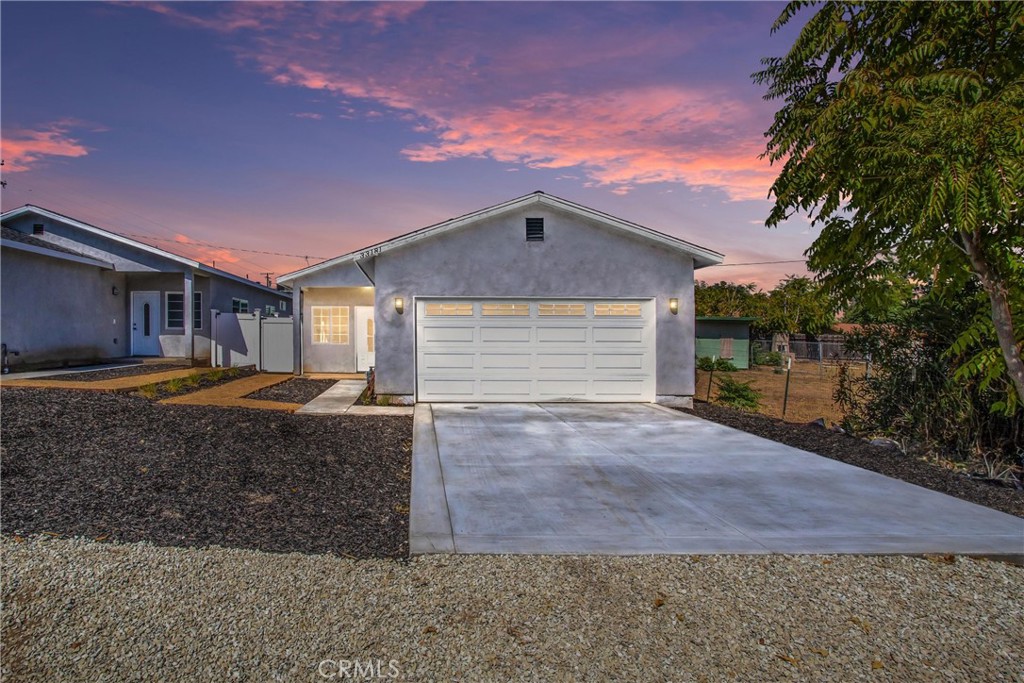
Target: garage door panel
(505, 388)
(539, 354)
(562, 361)
(449, 387)
(617, 335)
(435, 334)
(505, 361)
(566, 335)
(448, 361)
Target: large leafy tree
(797, 305)
(901, 132)
(728, 298)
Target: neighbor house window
(175, 307)
(505, 309)
(239, 305)
(616, 309)
(559, 309)
(449, 309)
(269, 310)
(284, 306)
(330, 324)
(197, 310)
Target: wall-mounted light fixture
(399, 305)
(673, 305)
(114, 290)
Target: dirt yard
(810, 389)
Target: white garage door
(477, 350)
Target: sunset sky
(316, 129)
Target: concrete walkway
(118, 384)
(627, 479)
(232, 394)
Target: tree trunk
(1001, 318)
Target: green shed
(724, 336)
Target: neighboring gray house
(535, 299)
(75, 292)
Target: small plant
(149, 390)
(738, 394)
(705, 363)
(768, 358)
(175, 385)
(725, 365)
(191, 381)
(215, 374)
(384, 399)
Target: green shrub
(705, 363)
(738, 394)
(725, 365)
(768, 358)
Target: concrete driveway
(627, 479)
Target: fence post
(711, 376)
(785, 395)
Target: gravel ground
(297, 390)
(116, 373)
(80, 610)
(119, 467)
(888, 461)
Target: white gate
(250, 339)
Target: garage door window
(330, 324)
(446, 309)
(614, 309)
(506, 309)
(562, 310)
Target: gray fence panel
(236, 339)
(276, 345)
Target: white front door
(530, 349)
(365, 334)
(145, 323)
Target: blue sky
(315, 129)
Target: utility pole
(267, 276)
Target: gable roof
(120, 239)
(701, 256)
(9, 237)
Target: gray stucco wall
(493, 258)
(331, 357)
(53, 310)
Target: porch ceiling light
(114, 290)
(399, 305)
(673, 305)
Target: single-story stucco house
(534, 299)
(724, 336)
(75, 292)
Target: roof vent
(534, 229)
(38, 229)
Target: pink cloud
(308, 115)
(554, 98)
(24, 148)
(620, 139)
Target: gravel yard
(297, 390)
(888, 461)
(115, 373)
(80, 610)
(121, 468)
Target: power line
(754, 263)
(220, 246)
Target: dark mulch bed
(297, 390)
(196, 382)
(116, 466)
(115, 373)
(888, 461)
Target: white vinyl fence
(250, 339)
